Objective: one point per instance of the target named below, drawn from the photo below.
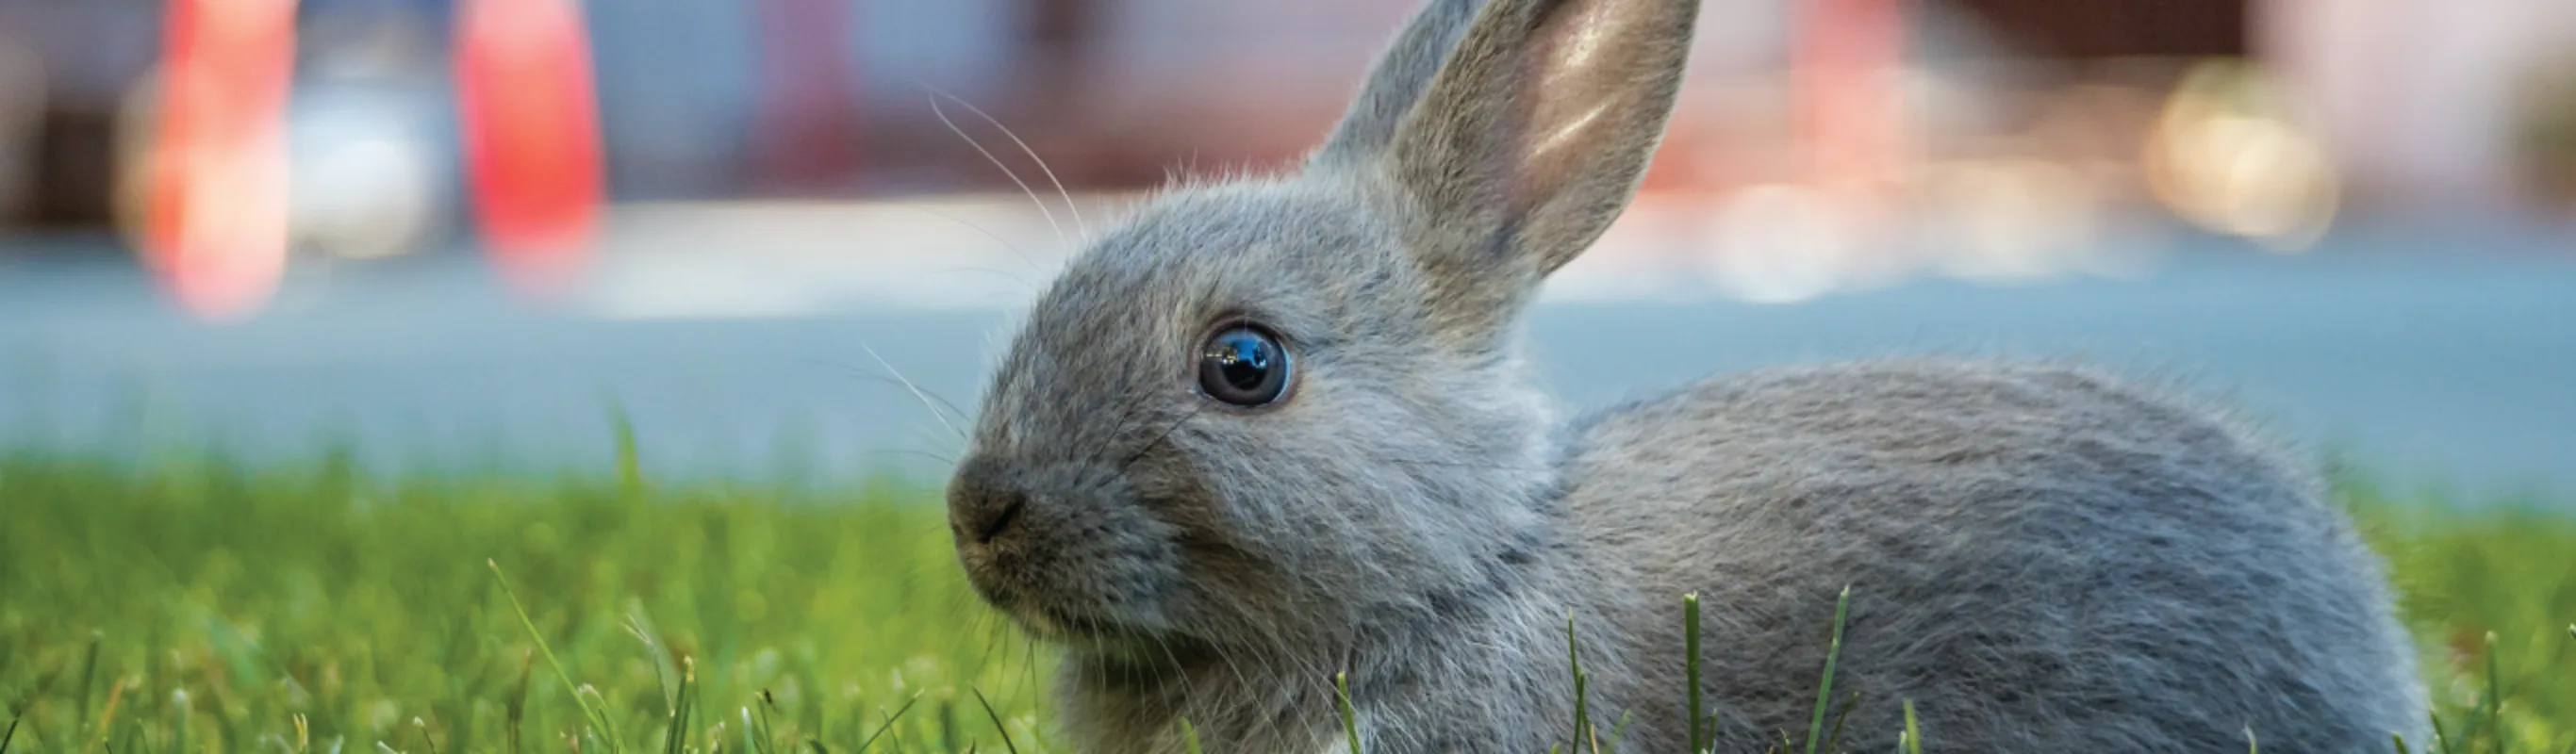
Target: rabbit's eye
(1243, 366)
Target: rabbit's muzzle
(1064, 549)
(984, 509)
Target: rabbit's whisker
(1080, 228)
(997, 162)
(1129, 417)
(1158, 439)
(997, 238)
(963, 417)
(1465, 465)
(996, 271)
(944, 459)
(916, 391)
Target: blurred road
(2431, 355)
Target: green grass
(364, 606)
(201, 605)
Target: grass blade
(1834, 734)
(1690, 669)
(2252, 746)
(1189, 737)
(2494, 701)
(642, 628)
(1618, 731)
(518, 709)
(107, 714)
(888, 724)
(764, 704)
(1913, 735)
(12, 735)
(997, 720)
(1825, 687)
(1350, 720)
(2399, 739)
(598, 717)
(683, 708)
(630, 467)
(606, 728)
(179, 728)
(1582, 716)
(89, 677)
(2441, 738)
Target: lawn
(188, 604)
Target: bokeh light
(213, 179)
(531, 128)
(1821, 147)
(2224, 156)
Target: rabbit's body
(1270, 430)
(2040, 559)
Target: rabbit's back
(2041, 559)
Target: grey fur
(2042, 559)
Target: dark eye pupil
(1247, 361)
(1244, 367)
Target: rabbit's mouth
(1125, 643)
(1058, 604)
(1095, 634)
(1064, 625)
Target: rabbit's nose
(997, 515)
(984, 501)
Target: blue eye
(1243, 366)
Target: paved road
(2435, 357)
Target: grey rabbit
(1277, 428)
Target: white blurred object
(2412, 97)
(365, 180)
(789, 258)
(1781, 244)
(2223, 156)
(2009, 220)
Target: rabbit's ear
(1402, 72)
(1532, 138)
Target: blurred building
(2450, 104)
(844, 98)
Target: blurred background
(457, 232)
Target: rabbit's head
(1275, 411)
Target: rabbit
(1275, 431)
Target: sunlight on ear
(1585, 44)
(1547, 145)
(1575, 58)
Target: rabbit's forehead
(1123, 319)
(1290, 258)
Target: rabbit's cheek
(1077, 565)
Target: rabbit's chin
(1048, 612)
(1128, 642)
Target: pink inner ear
(1568, 88)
